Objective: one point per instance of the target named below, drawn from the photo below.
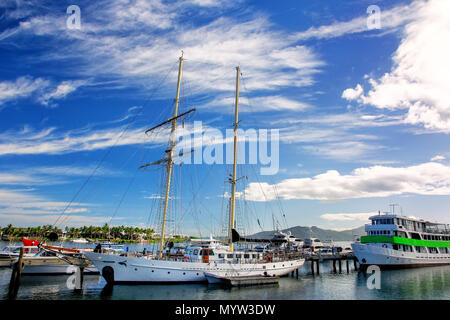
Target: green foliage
(105, 232)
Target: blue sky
(363, 113)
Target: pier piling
(354, 264)
(348, 268)
(16, 274)
(340, 265)
(79, 278)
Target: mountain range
(315, 232)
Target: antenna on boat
(233, 179)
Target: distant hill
(315, 232)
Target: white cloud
(377, 181)
(257, 104)
(390, 20)
(418, 81)
(61, 91)
(34, 176)
(49, 142)
(42, 89)
(25, 202)
(21, 88)
(438, 158)
(138, 42)
(353, 94)
(347, 216)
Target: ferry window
(230, 256)
(246, 256)
(211, 252)
(238, 256)
(415, 235)
(395, 247)
(221, 256)
(255, 256)
(195, 252)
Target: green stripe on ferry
(405, 241)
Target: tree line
(91, 232)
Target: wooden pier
(337, 260)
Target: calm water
(420, 283)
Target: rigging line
(111, 147)
(280, 206)
(127, 189)
(89, 193)
(192, 203)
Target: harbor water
(429, 283)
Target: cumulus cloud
(418, 81)
(429, 178)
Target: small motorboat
(81, 240)
(10, 254)
(239, 280)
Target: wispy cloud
(391, 19)
(22, 87)
(43, 90)
(128, 38)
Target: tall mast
(233, 181)
(170, 156)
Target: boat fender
(108, 274)
(186, 259)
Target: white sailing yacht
(208, 257)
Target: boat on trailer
(397, 241)
(213, 257)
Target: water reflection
(418, 283)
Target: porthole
(135, 269)
(168, 272)
(184, 273)
(153, 270)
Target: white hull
(368, 254)
(128, 269)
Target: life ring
(269, 259)
(186, 259)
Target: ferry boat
(399, 241)
(198, 260)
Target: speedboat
(10, 254)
